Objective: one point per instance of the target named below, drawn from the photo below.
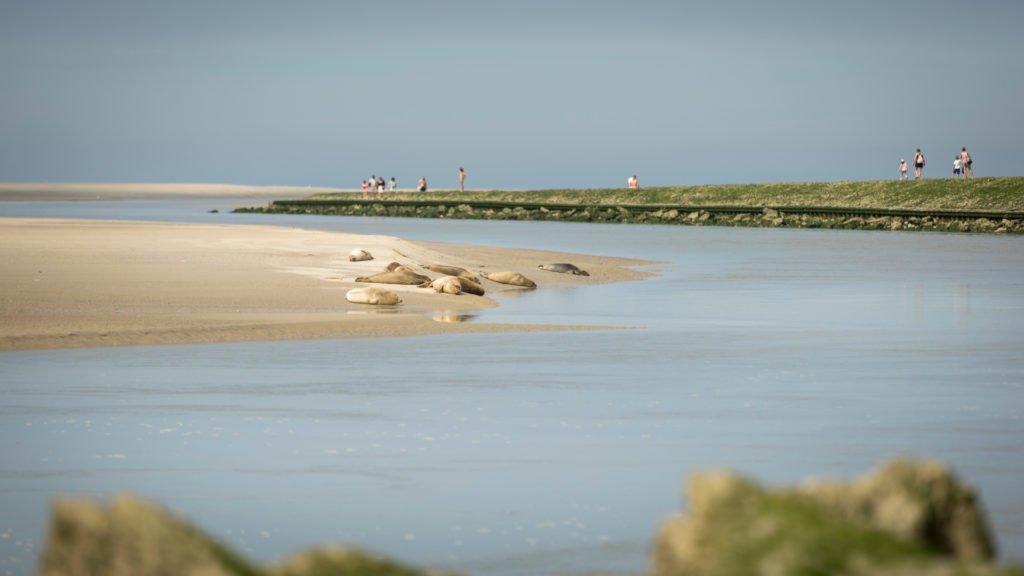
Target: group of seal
(455, 280)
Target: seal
(395, 277)
(372, 295)
(564, 268)
(471, 286)
(396, 266)
(451, 271)
(510, 278)
(445, 285)
(358, 255)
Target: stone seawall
(717, 216)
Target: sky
(527, 94)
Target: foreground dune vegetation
(908, 517)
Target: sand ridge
(87, 283)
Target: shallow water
(780, 353)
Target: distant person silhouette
(918, 164)
(903, 169)
(462, 180)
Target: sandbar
(81, 191)
(89, 283)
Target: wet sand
(77, 283)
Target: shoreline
(86, 283)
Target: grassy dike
(994, 204)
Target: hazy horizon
(527, 95)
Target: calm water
(781, 353)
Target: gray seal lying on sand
(454, 285)
(445, 285)
(471, 286)
(372, 295)
(564, 268)
(358, 255)
(396, 266)
(510, 278)
(395, 277)
(451, 271)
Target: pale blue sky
(525, 94)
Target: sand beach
(85, 283)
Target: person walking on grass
(957, 164)
(462, 180)
(918, 164)
(968, 164)
(903, 169)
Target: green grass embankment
(998, 194)
(942, 205)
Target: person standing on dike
(918, 164)
(903, 169)
(462, 180)
(968, 164)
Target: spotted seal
(445, 285)
(372, 295)
(451, 271)
(471, 286)
(395, 277)
(510, 278)
(564, 268)
(358, 255)
(396, 266)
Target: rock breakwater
(761, 217)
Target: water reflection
(452, 316)
(372, 309)
(511, 292)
